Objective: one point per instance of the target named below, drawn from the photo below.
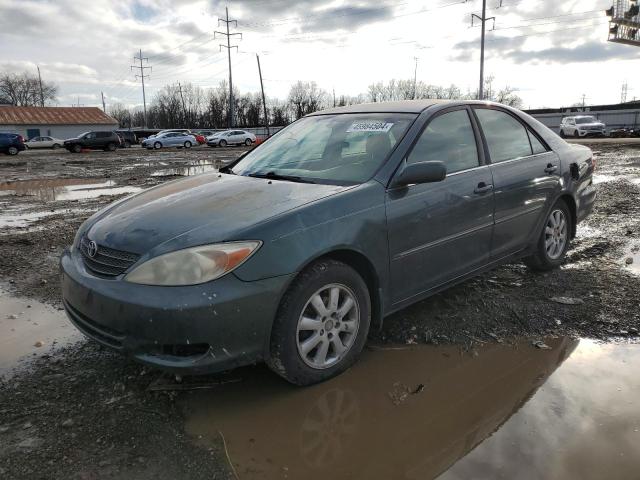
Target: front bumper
(195, 329)
(591, 133)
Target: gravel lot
(83, 412)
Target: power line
(228, 46)
(142, 76)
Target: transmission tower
(228, 46)
(623, 94)
(142, 76)
(483, 20)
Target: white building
(57, 122)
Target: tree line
(191, 106)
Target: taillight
(21, 138)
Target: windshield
(586, 120)
(342, 149)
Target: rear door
(526, 177)
(442, 230)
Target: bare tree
(23, 89)
(121, 114)
(306, 97)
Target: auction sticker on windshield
(370, 127)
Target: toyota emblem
(92, 249)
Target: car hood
(74, 139)
(206, 208)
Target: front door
(526, 177)
(442, 230)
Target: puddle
(13, 218)
(23, 322)
(186, 171)
(509, 412)
(66, 188)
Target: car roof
(400, 106)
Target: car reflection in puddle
(413, 413)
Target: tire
(157, 145)
(110, 147)
(545, 257)
(324, 330)
(12, 150)
(248, 142)
(222, 143)
(55, 146)
(187, 144)
(576, 134)
(76, 148)
(127, 144)
(562, 134)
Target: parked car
(170, 139)
(170, 130)
(44, 142)
(581, 126)
(99, 140)
(127, 138)
(231, 137)
(200, 138)
(11, 143)
(295, 251)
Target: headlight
(195, 265)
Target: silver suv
(581, 126)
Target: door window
(448, 138)
(506, 137)
(536, 145)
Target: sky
(552, 52)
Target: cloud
(588, 52)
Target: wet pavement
(567, 410)
(51, 189)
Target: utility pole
(228, 46)
(623, 94)
(78, 104)
(104, 108)
(184, 110)
(584, 97)
(334, 96)
(264, 101)
(483, 21)
(415, 77)
(142, 76)
(40, 82)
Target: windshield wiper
(276, 176)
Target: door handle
(483, 188)
(551, 168)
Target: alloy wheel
(328, 326)
(555, 234)
(13, 151)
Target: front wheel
(157, 145)
(127, 144)
(77, 148)
(562, 134)
(111, 147)
(222, 143)
(12, 150)
(576, 134)
(321, 325)
(554, 239)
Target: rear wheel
(248, 142)
(111, 147)
(222, 143)
(127, 144)
(187, 144)
(12, 150)
(55, 146)
(554, 239)
(77, 148)
(321, 325)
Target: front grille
(106, 262)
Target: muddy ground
(83, 412)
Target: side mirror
(421, 172)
